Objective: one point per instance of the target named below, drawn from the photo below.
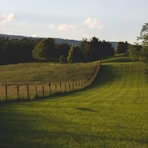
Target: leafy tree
(45, 50)
(85, 48)
(62, 50)
(75, 55)
(16, 50)
(144, 38)
(106, 49)
(121, 47)
(63, 59)
(134, 51)
(95, 52)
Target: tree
(95, 52)
(75, 55)
(144, 38)
(45, 50)
(62, 50)
(121, 47)
(134, 51)
(85, 48)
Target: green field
(46, 72)
(112, 113)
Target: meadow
(112, 113)
(36, 80)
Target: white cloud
(92, 23)
(5, 18)
(62, 27)
(34, 35)
(74, 30)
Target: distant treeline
(46, 50)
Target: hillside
(112, 113)
(45, 72)
(57, 40)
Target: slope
(112, 113)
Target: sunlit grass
(113, 113)
(46, 72)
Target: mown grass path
(112, 113)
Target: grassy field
(46, 72)
(113, 113)
(31, 80)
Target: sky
(110, 20)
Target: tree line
(139, 51)
(46, 50)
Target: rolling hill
(57, 40)
(112, 113)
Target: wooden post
(65, 86)
(36, 91)
(18, 93)
(43, 90)
(49, 88)
(6, 91)
(27, 87)
(69, 86)
(55, 88)
(76, 85)
(60, 85)
(72, 86)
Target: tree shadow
(85, 109)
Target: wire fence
(29, 91)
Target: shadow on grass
(85, 109)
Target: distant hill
(57, 40)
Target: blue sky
(110, 20)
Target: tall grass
(62, 78)
(46, 72)
(113, 113)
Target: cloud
(85, 29)
(62, 27)
(34, 35)
(92, 23)
(5, 18)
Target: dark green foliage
(75, 55)
(121, 47)
(62, 49)
(45, 50)
(85, 48)
(63, 59)
(144, 39)
(96, 49)
(134, 51)
(16, 51)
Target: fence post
(43, 90)
(18, 93)
(65, 87)
(55, 88)
(6, 91)
(27, 87)
(49, 88)
(60, 85)
(76, 85)
(36, 91)
(72, 86)
(69, 86)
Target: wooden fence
(36, 90)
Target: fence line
(32, 91)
